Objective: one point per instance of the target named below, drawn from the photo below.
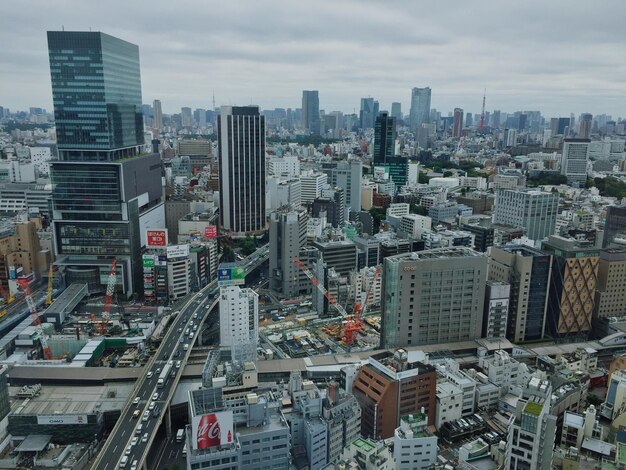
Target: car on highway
(146, 416)
(144, 438)
(156, 412)
(151, 406)
(138, 430)
(195, 315)
(195, 328)
(134, 465)
(182, 340)
(134, 441)
(155, 395)
(178, 364)
(186, 347)
(136, 401)
(137, 414)
(158, 371)
(149, 375)
(128, 451)
(191, 335)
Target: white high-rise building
(311, 185)
(241, 139)
(283, 166)
(574, 160)
(40, 157)
(239, 316)
(533, 210)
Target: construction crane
(106, 310)
(320, 287)
(50, 285)
(355, 323)
(47, 353)
(481, 125)
(8, 298)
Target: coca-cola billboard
(212, 430)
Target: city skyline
(257, 59)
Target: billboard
(156, 238)
(212, 429)
(210, 231)
(148, 261)
(177, 251)
(230, 274)
(62, 419)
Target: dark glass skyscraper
(384, 138)
(311, 111)
(615, 224)
(96, 91)
(241, 142)
(105, 190)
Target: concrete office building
(528, 272)
(311, 185)
(106, 190)
(396, 110)
(368, 112)
(535, 211)
(571, 295)
(342, 414)
(610, 293)
(531, 434)
(241, 141)
(584, 129)
(347, 175)
(413, 225)
(433, 296)
(158, 115)
(311, 111)
(615, 401)
(496, 309)
(614, 225)
(340, 255)
(420, 107)
(457, 126)
(385, 387)
(239, 316)
(287, 238)
(574, 159)
(414, 445)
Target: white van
(123, 462)
(138, 430)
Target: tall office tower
(241, 145)
(420, 107)
(311, 185)
(239, 316)
(287, 237)
(199, 116)
(457, 127)
(186, 118)
(535, 211)
(158, 115)
(348, 175)
(389, 386)
(396, 110)
(495, 119)
(510, 138)
(574, 160)
(469, 119)
(496, 309)
(559, 126)
(311, 111)
(610, 292)
(105, 191)
(367, 113)
(384, 138)
(614, 225)
(422, 292)
(528, 272)
(531, 434)
(571, 295)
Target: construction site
(293, 335)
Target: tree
(378, 214)
(447, 174)
(228, 255)
(417, 209)
(247, 246)
(422, 178)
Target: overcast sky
(550, 55)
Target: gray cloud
(556, 56)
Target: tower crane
(355, 323)
(106, 310)
(320, 287)
(47, 353)
(50, 285)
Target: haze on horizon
(557, 57)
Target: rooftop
(438, 253)
(533, 408)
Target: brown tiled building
(388, 387)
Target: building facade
(239, 316)
(433, 296)
(311, 111)
(420, 107)
(287, 238)
(241, 142)
(574, 160)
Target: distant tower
(311, 111)
(420, 107)
(481, 125)
(584, 131)
(457, 128)
(158, 115)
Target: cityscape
(313, 282)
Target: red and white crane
(108, 298)
(355, 323)
(320, 287)
(47, 353)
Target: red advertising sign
(212, 430)
(156, 238)
(210, 231)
